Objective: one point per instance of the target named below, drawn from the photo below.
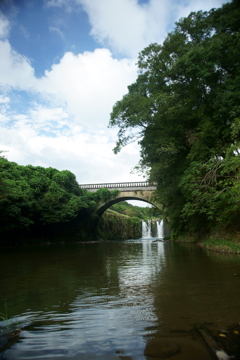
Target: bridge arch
(141, 190)
(121, 197)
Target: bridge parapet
(121, 186)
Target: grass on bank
(185, 239)
(227, 243)
(9, 322)
(222, 245)
(113, 212)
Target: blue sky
(63, 65)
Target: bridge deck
(122, 186)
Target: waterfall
(160, 233)
(146, 229)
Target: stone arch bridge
(141, 190)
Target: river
(117, 299)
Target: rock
(119, 352)
(3, 341)
(221, 355)
(13, 333)
(161, 350)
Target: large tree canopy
(33, 198)
(184, 109)
(30, 193)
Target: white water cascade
(146, 230)
(160, 233)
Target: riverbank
(220, 242)
(221, 245)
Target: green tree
(31, 194)
(45, 202)
(184, 111)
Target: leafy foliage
(115, 226)
(32, 197)
(136, 211)
(28, 193)
(184, 111)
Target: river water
(117, 299)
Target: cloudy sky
(63, 65)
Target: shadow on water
(197, 291)
(117, 300)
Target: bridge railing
(119, 185)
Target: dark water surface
(116, 300)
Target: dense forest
(184, 110)
(44, 202)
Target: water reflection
(116, 299)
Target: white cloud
(68, 5)
(55, 3)
(197, 5)
(4, 99)
(89, 83)
(4, 106)
(56, 30)
(15, 69)
(127, 27)
(3, 119)
(43, 115)
(25, 32)
(4, 26)
(119, 24)
(66, 125)
(87, 154)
